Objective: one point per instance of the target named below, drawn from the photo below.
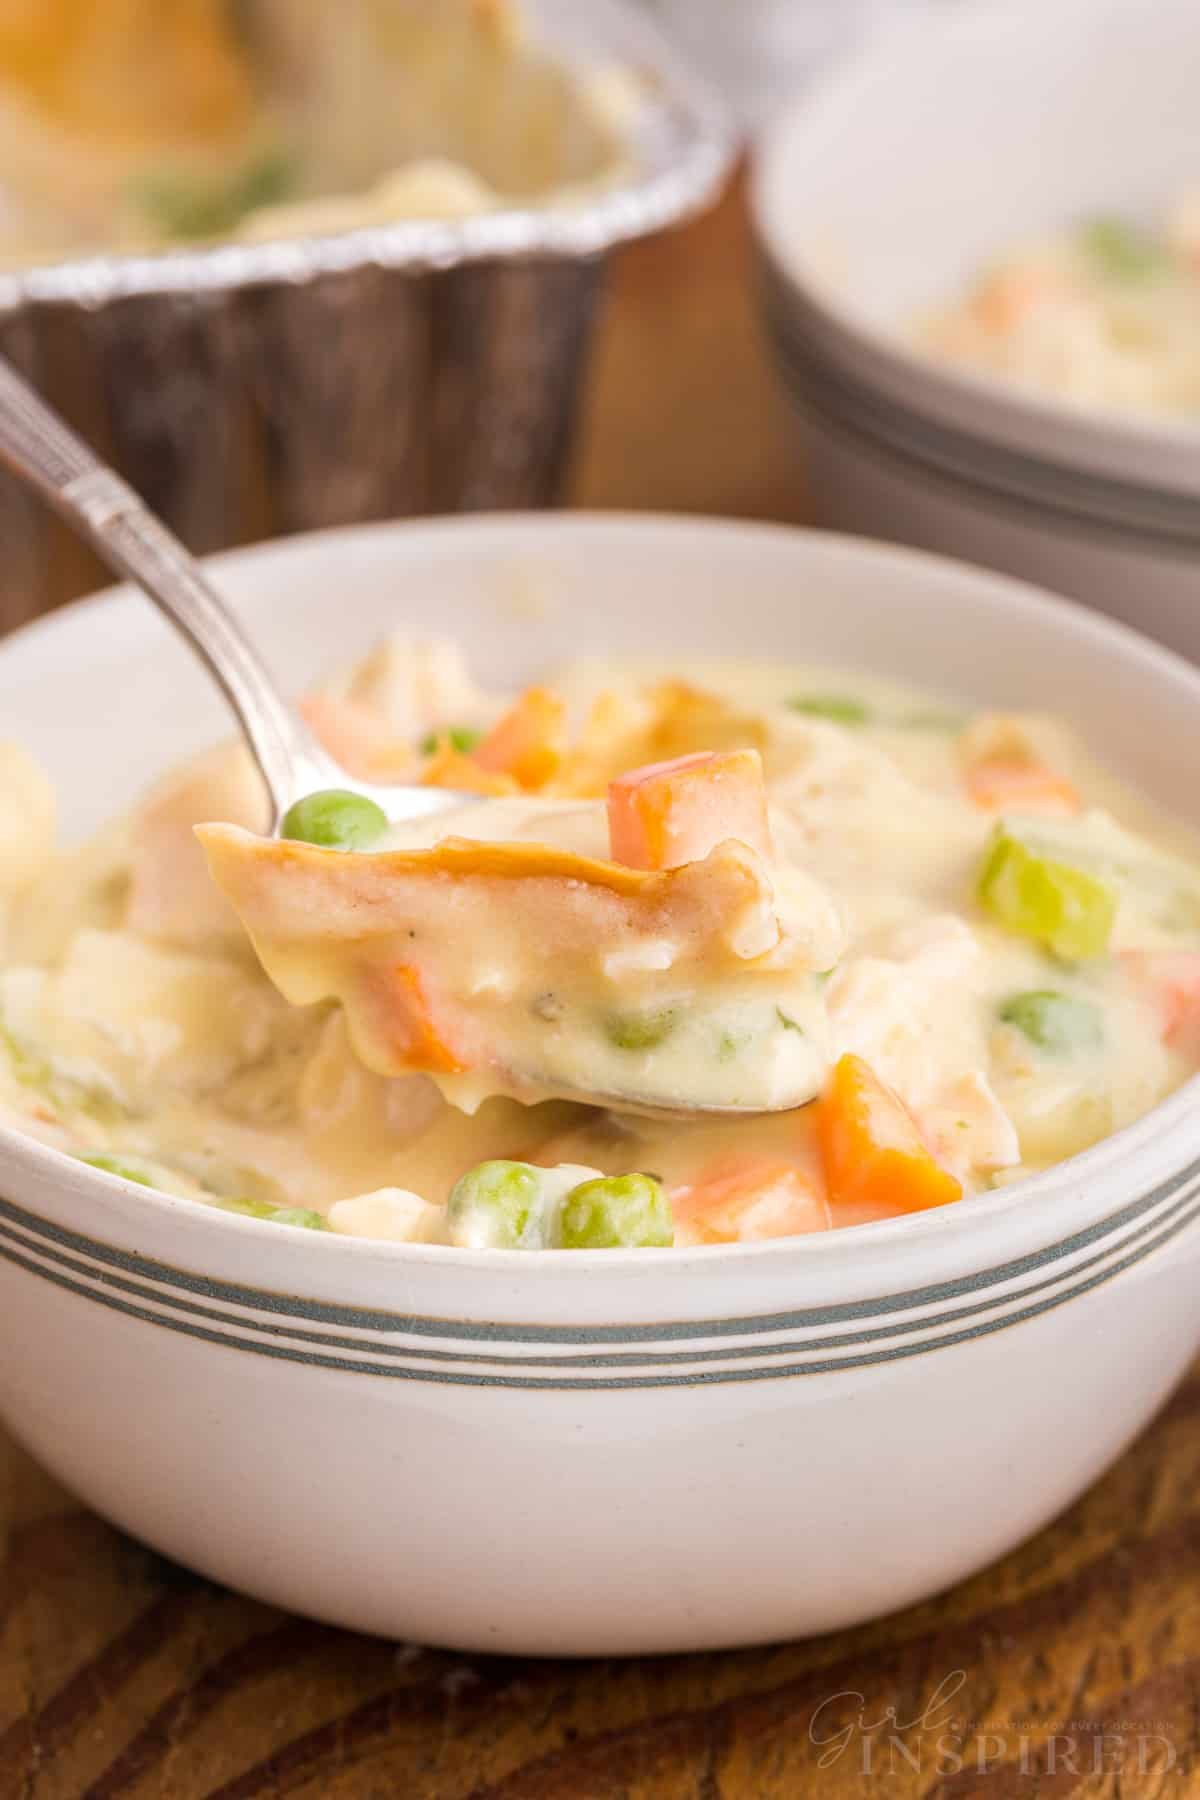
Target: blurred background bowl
(429, 365)
(883, 191)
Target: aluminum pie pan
(681, 153)
(252, 390)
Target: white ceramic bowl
(610, 1451)
(884, 189)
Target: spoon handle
(43, 452)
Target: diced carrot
(1172, 978)
(749, 1197)
(415, 1035)
(1004, 298)
(450, 768)
(667, 814)
(529, 742)
(871, 1148)
(1018, 784)
(355, 736)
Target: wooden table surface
(1073, 1667)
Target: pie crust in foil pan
(253, 389)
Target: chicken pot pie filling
(948, 948)
(131, 125)
(1105, 313)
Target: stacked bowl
(924, 159)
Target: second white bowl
(884, 190)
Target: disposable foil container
(248, 390)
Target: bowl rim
(666, 186)
(1143, 450)
(59, 1169)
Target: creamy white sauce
(1105, 313)
(131, 1033)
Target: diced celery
(1038, 896)
(1059, 1023)
(497, 1206)
(30, 1070)
(641, 1030)
(301, 1216)
(1121, 250)
(842, 709)
(278, 1215)
(615, 1212)
(266, 180)
(114, 1165)
(249, 1209)
(61, 1092)
(180, 204)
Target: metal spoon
(41, 450)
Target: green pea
(462, 738)
(1059, 1023)
(641, 1030)
(616, 1212)
(841, 709)
(1038, 896)
(113, 1165)
(1121, 250)
(298, 1215)
(336, 820)
(497, 1206)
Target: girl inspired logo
(935, 1741)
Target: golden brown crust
(293, 892)
(462, 858)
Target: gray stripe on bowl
(616, 1359)
(577, 1383)
(366, 1319)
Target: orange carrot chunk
(749, 1197)
(1009, 295)
(872, 1151)
(667, 814)
(451, 768)
(413, 1029)
(529, 742)
(1015, 784)
(1172, 978)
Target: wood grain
(124, 1678)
